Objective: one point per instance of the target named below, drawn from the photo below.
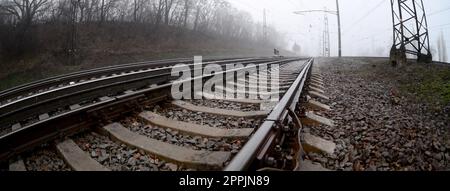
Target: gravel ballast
(378, 127)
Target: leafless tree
(187, 9)
(24, 10)
(167, 8)
(206, 17)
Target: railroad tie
(171, 153)
(74, 107)
(317, 90)
(258, 77)
(222, 112)
(318, 95)
(320, 82)
(76, 158)
(16, 127)
(44, 116)
(241, 80)
(221, 88)
(194, 129)
(17, 166)
(315, 105)
(316, 78)
(247, 101)
(316, 86)
(232, 85)
(314, 144)
(312, 119)
(309, 166)
(317, 75)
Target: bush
(18, 41)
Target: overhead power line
(303, 3)
(294, 4)
(437, 26)
(244, 4)
(375, 34)
(440, 11)
(366, 15)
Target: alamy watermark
(226, 82)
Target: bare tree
(158, 6)
(187, 9)
(167, 8)
(24, 13)
(197, 17)
(24, 10)
(102, 11)
(216, 18)
(137, 10)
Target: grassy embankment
(422, 82)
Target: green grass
(432, 84)
(25, 77)
(425, 83)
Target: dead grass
(28, 70)
(113, 44)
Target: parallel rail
(115, 80)
(103, 110)
(23, 90)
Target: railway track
(127, 120)
(52, 94)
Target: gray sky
(367, 24)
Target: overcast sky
(367, 24)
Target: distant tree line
(24, 22)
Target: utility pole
(337, 13)
(264, 26)
(326, 38)
(339, 27)
(72, 35)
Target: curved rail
(98, 72)
(10, 113)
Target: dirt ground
(386, 118)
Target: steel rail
(290, 99)
(69, 123)
(69, 77)
(73, 94)
(98, 72)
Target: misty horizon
(366, 25)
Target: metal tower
(338, 14)
(326, 38)
(410, 31)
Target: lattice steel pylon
(410, 31)
(326, 38)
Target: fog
(366, 24)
